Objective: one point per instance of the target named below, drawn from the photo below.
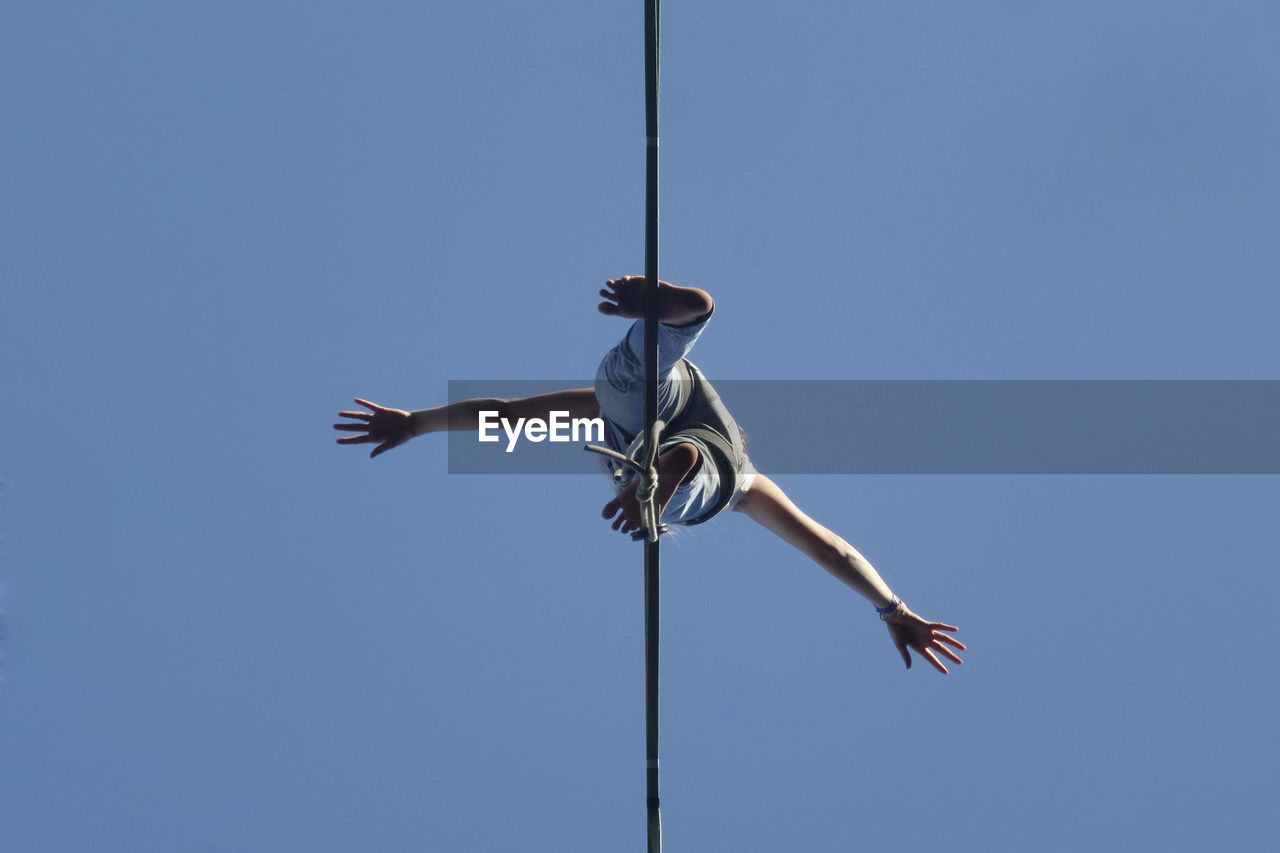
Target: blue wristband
(889, 608)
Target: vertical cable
(651, 31)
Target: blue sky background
(221, 632)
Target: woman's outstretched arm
(388, 428)
(768, 505)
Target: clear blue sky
(220, 222)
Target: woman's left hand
(907, 630)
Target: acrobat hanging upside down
(702, 464)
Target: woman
(702, 463)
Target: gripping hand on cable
(673, 466)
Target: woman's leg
(619, 383)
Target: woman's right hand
(383, 426)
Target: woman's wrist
(892, 611)
(419, 422)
